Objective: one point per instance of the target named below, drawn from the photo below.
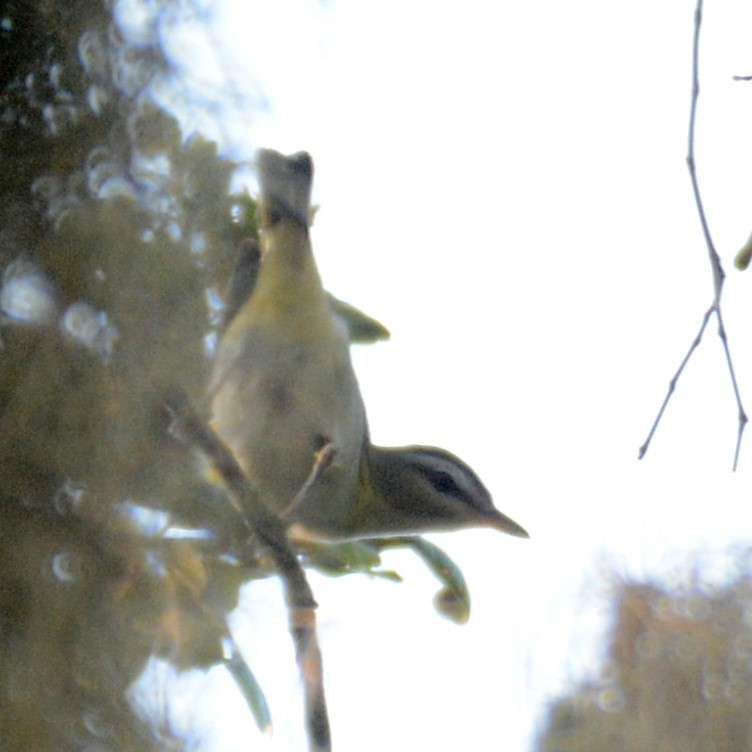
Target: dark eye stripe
(442, 482)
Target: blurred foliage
(112, 229)
(116, 235)
(678, 674)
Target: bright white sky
(503, 185)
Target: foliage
(112, 227)
(116, 235)
(678, 676)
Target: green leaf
(249, 686)
(453, 600)
(347, 558)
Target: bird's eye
(444, 483)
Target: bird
(285, 398)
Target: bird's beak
(507, 525)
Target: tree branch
(266, 527)
(715, 263)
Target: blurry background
(504, 186)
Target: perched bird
(285, 399)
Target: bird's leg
(322, 461)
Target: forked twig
(715, 264)
(266, 527)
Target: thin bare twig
(715, 263)
(742, 416)
(672, 383)
(266, 527)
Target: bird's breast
(279, 401)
